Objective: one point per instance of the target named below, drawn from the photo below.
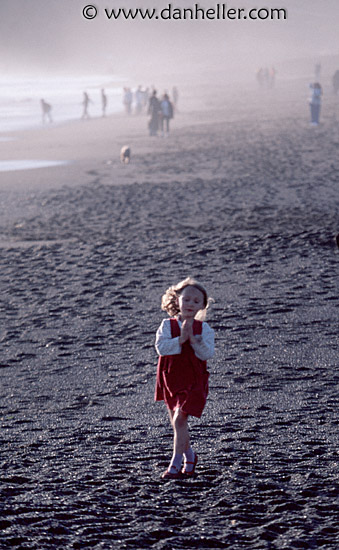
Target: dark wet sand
(248, 203)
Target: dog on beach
(125, 154)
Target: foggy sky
(52, 35)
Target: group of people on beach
(140, 98)
(46, 108)
(137, 102)
(266, 77)
(87, 100)
(161, 111)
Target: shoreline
(84, 149)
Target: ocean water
(20, 97)
(11, 165)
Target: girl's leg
(181, 443)
(182, 440)
(181, 435)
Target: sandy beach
(243, 195)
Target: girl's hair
(170, 300)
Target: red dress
(182, 380)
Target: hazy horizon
(54, 37)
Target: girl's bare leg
(181, 435)
(181, 443)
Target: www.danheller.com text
(195, 12)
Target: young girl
(184, 343)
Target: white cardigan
(166, 345)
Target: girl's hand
(186, 331)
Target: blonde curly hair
(170, 300)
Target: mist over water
(20, 98)
(55, 37)
(50, 49)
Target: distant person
(103, 102)
(166, 113)
(154, 112)
(175, 97)
(335, 82)
(85, 103)
(128, 100)
(46, 111)
(315, 102)
(139, 100)
(145, 99)
(184, 343)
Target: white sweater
(166, 345)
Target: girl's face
(191, 300)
